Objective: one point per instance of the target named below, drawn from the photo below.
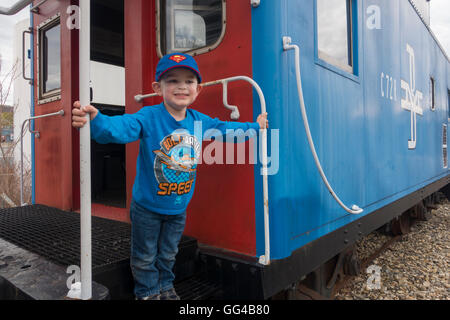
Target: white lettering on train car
(390, 84)
(413, 97)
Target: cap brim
(178, 66)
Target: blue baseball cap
(176, 60)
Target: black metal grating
(197, 288)
(55, 235)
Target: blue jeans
(154, 245)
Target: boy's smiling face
(179, 88)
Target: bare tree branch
(9, 168)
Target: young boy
(170, 146)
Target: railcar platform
(38, 243)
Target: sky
(440, 22)
(439, 12)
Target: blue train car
(357, 93)
(375, 83)
(377, 130)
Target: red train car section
(129, 45)
(56, 86)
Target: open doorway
(108, 95)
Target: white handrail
(234, 109)
(287, 46)
(264, 259)
(85, 155)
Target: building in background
(22, 93)
(6, 126)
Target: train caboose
(358, 113)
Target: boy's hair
(176, 60)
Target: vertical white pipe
(265, 184)
(85, 154)
(265, 259)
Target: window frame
(193, 52)
(321, 58)
(432, 83)
(55, 94)
(448, 104)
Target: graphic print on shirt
(175, 164)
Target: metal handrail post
(85, 155)
(59, 113)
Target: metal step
(54, 235)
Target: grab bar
(61, 113)
(35, 9)
(287, 46)
(264, 259)
(234, 109)
(29, 31)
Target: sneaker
(156, 296)
(169, 295)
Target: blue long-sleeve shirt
(169, 151)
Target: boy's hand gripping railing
(59, 113)
(287, 46)
(264, 259)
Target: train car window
(49, 41)
(334, 33)
(107, 32)
(448, 103)
(193, 26)
(432, 94)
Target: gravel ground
(415, 268)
